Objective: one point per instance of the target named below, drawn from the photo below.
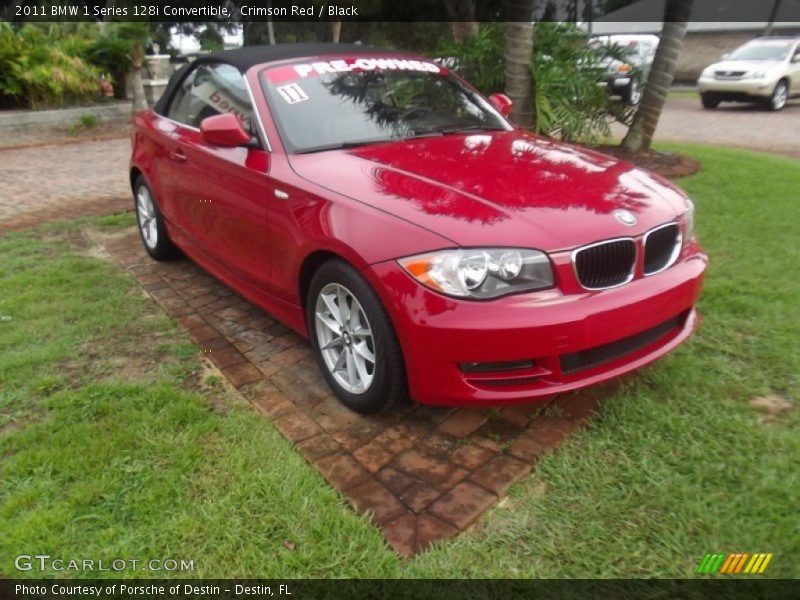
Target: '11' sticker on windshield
(292, 93)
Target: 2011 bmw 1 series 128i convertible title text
(428, 248)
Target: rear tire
(353, 340)
(151, 222)
(709, 101)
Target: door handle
(177, 156)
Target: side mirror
(796, 58)
(501, 103)
(224, 130)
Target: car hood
(504, 188)
(745, 65)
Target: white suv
(766, 69)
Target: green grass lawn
(684, 93)
(106, 452)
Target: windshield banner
(347, 65)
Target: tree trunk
(588, 16)
(8, 13)
(336, 30)
(463, 30)
(773, 13)
(640, 135)
(255, 33)
(139, 99)
(270, 27)
(518, 57)
(462, 19)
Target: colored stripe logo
(734, 564)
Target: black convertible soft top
(247, 56)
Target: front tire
(353, 340)
(633, 93)
(780, 95)
(709, 101)
(151, 222)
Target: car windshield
(625, 47)
(326, 105)
(762, 51)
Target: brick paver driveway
(63, 181)
(737, 125)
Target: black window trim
(260, 134)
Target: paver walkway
(734, 125)
(423, 473)
(63, 181)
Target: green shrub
(479, 59)
(568, 103)
(84, 123)
(110, 52)
(40, 69)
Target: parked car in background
(378, 204)
(624, 78)
(765, 70)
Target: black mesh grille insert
(606, 264)
(592, 357)
(729, 73)
(660, 248)
(505, 382)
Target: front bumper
(758, 88)
(615, 84)
(550, 328)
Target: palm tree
(137, 35)
(462, 19)
(640, 135)
(772, 14)
(518, 57)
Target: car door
(794, 70)
(219, 193)
(169, 156)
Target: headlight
(481, 273)
(756, 75)
(623, 68)
(688, 222)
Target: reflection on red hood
(498, 188)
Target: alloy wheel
(345, 338)
(635, 95)
(780, 96)
(146, 211)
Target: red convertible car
(375, 202)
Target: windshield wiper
(453, 130)
(340, 146)
(420, 134)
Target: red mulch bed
(666, 164)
